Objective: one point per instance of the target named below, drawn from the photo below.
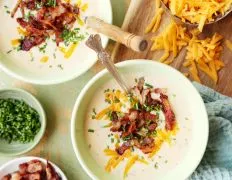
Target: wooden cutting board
(139, 17)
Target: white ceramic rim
(28, 158)
(204, 139)
(55, 81)
(43, 120)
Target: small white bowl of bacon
(30, 168)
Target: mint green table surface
(58, 102)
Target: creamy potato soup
(47, 59)
(102, 142)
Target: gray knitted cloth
(217, 161)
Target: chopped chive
(106, 126)
(156, 165)
(60, 66)
(148, 85)
(54, 55)
(91, 130)
(116, 100)
(8, 52)
(94, 111)
(112, 140)
(106, 90)
(43, 48)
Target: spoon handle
(94, 42)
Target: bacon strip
(168, 112)
(47, 21)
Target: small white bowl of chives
(22, 122)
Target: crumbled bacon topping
(47, 21)
(138, 126)
(33, 170)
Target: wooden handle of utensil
(131, 13)
(137, 43)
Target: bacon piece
(131, 129)
(33, 26)
(169, 114)
(136, 93)
(23, 168)
(33, 166)
(145, 92)
(152, 127)
(120, 150)
(147, 149)
(30, 4)
(33, 176)
(16, 176)
(51, 174)
(151, 102)
(116, 125)
(133, 115)
(22, 22)
(29, 42)
(140, 123)
(141, 84)
(149, 116)
(7, 177)
(147, 145)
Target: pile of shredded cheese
(198, 12)
(205, 54)
(202, 54)
(172, 39)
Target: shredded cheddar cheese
(161, 137)
(44, 59)
(172, 39)
(155, 23)
(115, 158)
(21, 31)
(84, 7)
(198, 12)
(69, 51)
(15, 42)
(204, 54)
(80, 21)
(129, 164)
(79, 2)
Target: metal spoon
(94, 42)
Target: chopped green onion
(72, 36)
(91, 130)
(148, 85)
(18, 121)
